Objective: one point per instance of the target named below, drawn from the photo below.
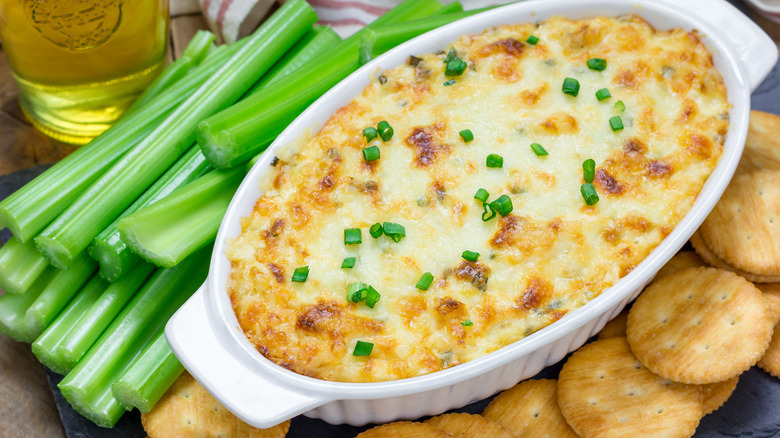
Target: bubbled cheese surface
(550, 255)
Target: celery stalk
(45, 347)
(318, 40)
(20, 266)
(83, 334)
(150, 375)
(13, 308)
(88, 386)
(108, 248)
(30, 209)
(75, 228)
(238, 133)
(169, 230)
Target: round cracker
(708, 256)
(188, 410)
(604, 391)
(530, 409)
(404, 429)
(468, 425)
(762, 148)
(743, 229)
(699, 325)
(770, 362)
(681, 260)
(771, 292)
(616, 327)
(715, 394)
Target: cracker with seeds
(699, 325)
(743, 229)
(616, 327)
(468, 425)
(604, 391)
(404, 429)
(188, 410)
(762, 148)
(708, 256)
(715, 394)
(530, 409)
(681, 260)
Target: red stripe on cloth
(221, 15)
(334, 4)
(343, 22)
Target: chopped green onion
(487, 212)
(466, 135)
(588, 170)
(603, 94)
(456, 67)
(467, 323)
(301, 274)
(371, 153)
(470, 255)
(532, 40)
(538, 149)
(620, 106)
(357, 292)
(502, 205)
(348, 263)
(616, 123)
(450, 55)
(370, 133)
(597, 64)
(362, 348)
(450, 82)
(571, 87)
(372, 296)
(376, 230)
(352, 236)
(385, 130)
(494, 160)
(589, 194)
(394, 231)
(425, 281)
(482, 195)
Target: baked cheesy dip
(470, 197)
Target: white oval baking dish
(205, 334)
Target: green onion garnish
(450, 55)
(352, 236)
(450, 82)
(467, 323)
(371, 153)
(620, 106)
(603, 94)
(502, 205)
(470, 255)
(466, 135)
(597, 64)
(372, 296)
(487, 212)
(616, 123)
(362, 348)
(385, 130)
(357, 292)
(494, 160)
(482, 195)
(589, 194)
(394, 231)
(425, 281)
(301, 274)
(455, 67)
(376, 230)
(588, 170)
(571, 87)
(369, 133)
(538, 149)
(348, 263)
(532, 40)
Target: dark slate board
(751, 411)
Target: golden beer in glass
(80, 63)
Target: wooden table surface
(26, 405)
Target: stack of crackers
(655, 370)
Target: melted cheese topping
(552, 254)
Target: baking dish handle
(249, 393)
(754, 49)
